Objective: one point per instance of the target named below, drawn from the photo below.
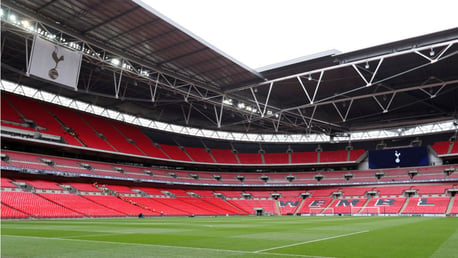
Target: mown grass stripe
(166, 246)
(310, 241)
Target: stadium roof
(167, 74)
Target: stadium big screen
(399, 157)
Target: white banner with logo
(55, 63)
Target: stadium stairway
(363, 207)
(277, 207)
(406, 203)
(299, 207)
(450, 205)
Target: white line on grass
(310, 241)
(167, 246)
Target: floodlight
(12, 18)
(115, 61)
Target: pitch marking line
(167, 246)
(311, 241)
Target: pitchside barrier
(364, 211)
(321, 211)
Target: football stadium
(123, 134)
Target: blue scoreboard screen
(400, 157)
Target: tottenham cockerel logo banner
(55, 63)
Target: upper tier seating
(224, 156)
(441, 148)
(80, 127)
(140, 139)
(304, 157)
(35, 111)
(10, 117)
(276, 158)
(9, 113)
(175, 152)
(199, 155)
(356, 154)
(454, 149)
(111, 134)
(333, 156)
(250, 158)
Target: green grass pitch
(233, 237)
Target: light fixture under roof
(12, 18)
(115, 61)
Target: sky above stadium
(259, 33)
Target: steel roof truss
(368, 82)
(153, 91)
(267, 100)
(344, 118)
(387, 107)
(187, 114)
(276, 124)
(433, 95)
(117, 82)
(220, 115)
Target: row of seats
(50, 205)
(445, 148)
(44, 162)
(418, 189)
(83, 129)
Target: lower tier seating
(10, 213)
(36, 206)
